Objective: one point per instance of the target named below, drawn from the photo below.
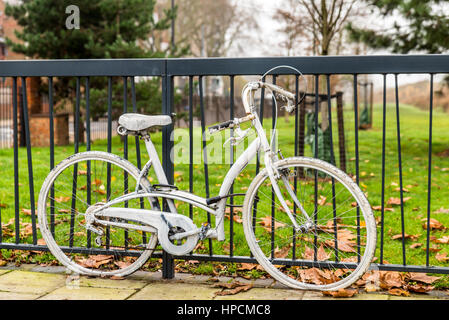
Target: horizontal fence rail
(120, 80)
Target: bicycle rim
(330, 253)
(84, 182)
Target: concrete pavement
(33, 282)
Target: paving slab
(2, 272)
(106, 283)
(264, 294)
(18, 296)
(88, 293)
(175, 291)
(31, 282)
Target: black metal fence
(322, 70)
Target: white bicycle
(305, 221)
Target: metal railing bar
(16, 163)
(52, 152)
(315, 155)
(429, 177)
(401, 191)
(231, 160)
(334, 205)
(204, 146)
(384, 126)
(29, 158)
(357, 156)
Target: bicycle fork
(274, 174)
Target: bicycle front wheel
(83, 182)
(332, 248)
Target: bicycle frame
(218, 209)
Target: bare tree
(211, 28)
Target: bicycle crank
(178, 225)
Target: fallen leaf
(406, 236)
(442, 210)
(433, 225)
(442, 257)
(397, 201)
(62, 199)
(341, 293)
(422, 277)
(444, 239)
(282, 253)
(415, 245)
(26, 212)
(399, 292)
(232, 288)
(267, 223)
(379, 208)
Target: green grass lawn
(414, 140)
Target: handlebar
(230, 123)
(251, 87)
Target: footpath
(33, 282)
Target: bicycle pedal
(204, 229)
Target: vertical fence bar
(273, 149)
(16, 162)
(29, 158)
(76, 132)
(334, 204)
(357, 158)
(88, 147)
(168, 265)
(125, 152)
(231, 158)
(109, 149)
(398, 132)
(315, 155)
(296, 154)
(191, 142)
(429, 176)
(52, 152)
(204, 145)
(384, 124)
(261, 114)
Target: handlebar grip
(221, 126)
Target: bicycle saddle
(138, 122)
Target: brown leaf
(62, 199)
(26, 212)
(444, 239)
(442, 257)
(415, 245)
(232, 288)
(247, 266)
(420, 288)
(341, 293)
(390, 279)
(267, 223)
(406, 236)
(282, 253)
(422, 277)
(397, 201)
(442, 210)
(237, 219)
(434, 224)
(399, 292)
(322, 200)
(379, 208)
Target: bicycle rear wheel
(84, 182)
(333, 249)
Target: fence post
(168, 266)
